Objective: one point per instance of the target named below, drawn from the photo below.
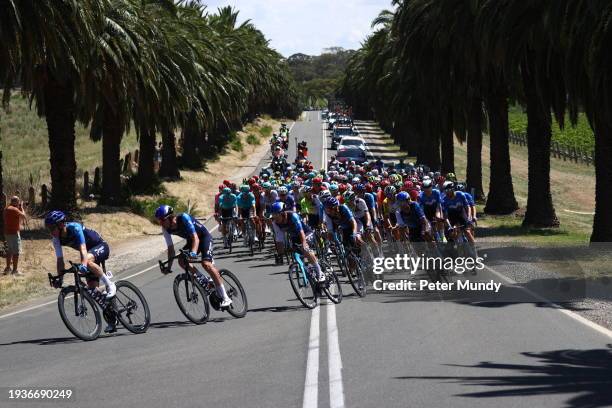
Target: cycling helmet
(325, 194)
(427, 183)
(317, 180)
(312, 175)
(55, 217)
(278, 207)
(460, 187)
(256, 187)
(349, 196)
(408, 185)
(451, 177)
(331, 202)
(390, 191)
(227, 182)
(414, 195)
(306, 189)
(360, 187)
(449, 185)
(343, 187)
(333, 187)
(244, 189)
(282, 190)
(403, 196)
(227, 190)
(221, 187)
(163, 211)
(267, 185)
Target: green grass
(236, 145)
(25, 147)
(266, 131)
(580, 136)
(147, 206)
(253, 140)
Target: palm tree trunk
(501, 198)
(474, 150)
(448, 149)
(60, 114)
(190, 157)
(146, 164)
(429, 151)
(111, 154)
(1, 192)
(540, 210)
(602, 223)
(169, 166)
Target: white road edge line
(336, 389)
(569, 313)
(311, 383)
(27, 309)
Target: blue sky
(308, 26)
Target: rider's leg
(313, 261)
(216, 277)
(102, 252)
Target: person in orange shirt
(13, 215)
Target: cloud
(308, 26)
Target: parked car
(352, 141)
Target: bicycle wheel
(191, 299)
(236, 292)
(131, 307)
(355, 275)
(303, 287)
(250, 237)
(331, 287)
(80, 313)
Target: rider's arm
(59, 254)
(195, 242)
(170, 246)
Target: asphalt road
(382, 351)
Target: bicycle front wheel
(80, 313)
(355, 275)
(191, 299)
(303, 287)
(131, 307)
(235, 291)
(331, 287)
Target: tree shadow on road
(59, 340)
(584, 375)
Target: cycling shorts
(245, 213)
(227, 213)
(205, 247)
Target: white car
(352, 142)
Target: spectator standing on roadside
(13, 215)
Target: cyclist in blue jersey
(470, 200)
(227, 204)
(370, 201)
(246, 208)
(286, 198)
(456, 212)
(199, 241)
(430, 200)
(410, 216)
(299, 233)
(92, 249)
(339, 216)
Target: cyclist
(291, 223)
(362, 215)
(431, 203)
(389, 208)
(92, 249)
(456, 212)
(339, 216)
(199, 241)
(286, 198)
(410, 216)
(228, 205)
(370, 201)
(470, 199)
(246, 209)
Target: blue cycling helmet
(227, 190)
(360, 187)
(278, 207)
(331, 202)
(163, 211)
(403, 196)
(55, 217)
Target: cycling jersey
(343, 219)
(269, 199)
(358, 207)
(455, 205)
(410, 216)
(186, 226)
(431, 200)
(245, 200)
(77, 235)
(469, 199)
(389, 207)
(370, 200)
(293, 226)
(227, 201)
(289, 202)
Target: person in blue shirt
(246, 208)
(456, 212)
(430, 200)
(470, 199)
(339, 216)
(370, 201)
(93, 252)
(410, 216)
(199, 241)
(286, 198)
(290, 222)
(228, 203)
(92, 249)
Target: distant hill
(319, 76)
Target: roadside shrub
(236, 145)
(146, 206)
(266, 131)
(253, 140)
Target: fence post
(96, 183)
(136, 156)
(127, 163)
(44, 196)
(86, 184)
(31, 197)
